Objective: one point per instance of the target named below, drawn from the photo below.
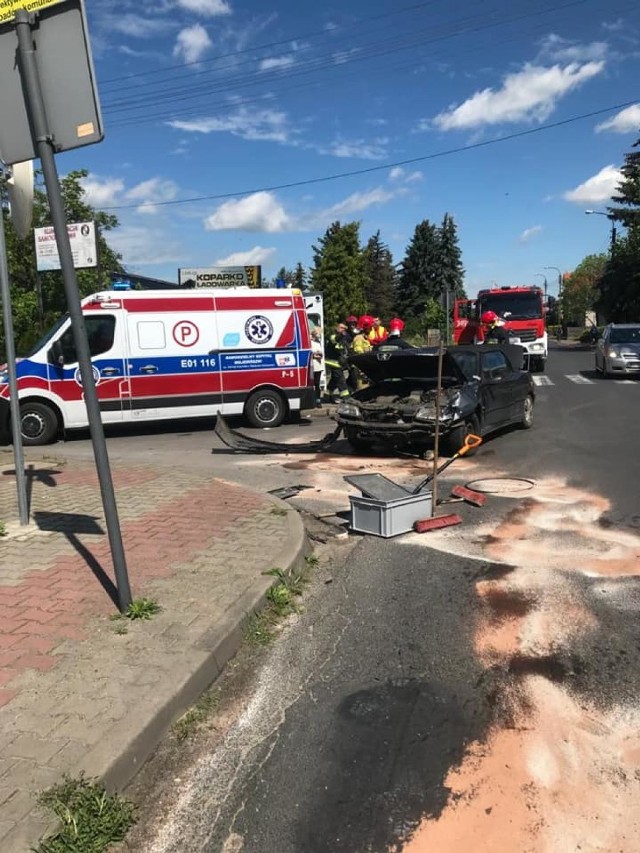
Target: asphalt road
(373, 695)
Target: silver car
(618, 350)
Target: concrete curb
(128, 744)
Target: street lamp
(559, 279)
(540, 275)
(611, 218)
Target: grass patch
(140, 608)
(90, 819)
(276, 510)
(311, 560)
(3, 528)
(281, 602)
(189, 723)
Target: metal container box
(389, 518)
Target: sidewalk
(74, 694)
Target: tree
(628, 198)
(420, 276)
(339, 271)
(451, 268)
(22, 263)
(380, 274)
(300, 277)
(580, 290)
(619, 300)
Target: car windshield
(512, 306)
(466, 361)
(44, 340)
(625, 336)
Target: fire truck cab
(522, 312)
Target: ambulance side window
(100, 332)
(151, 334)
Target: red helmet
(365, 322)
(489, 317)
(396, 325)
(352, 319)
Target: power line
(370, 169)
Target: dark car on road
(483, 389)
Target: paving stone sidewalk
(74, 694)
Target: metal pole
(436, 439)
(18, 453)
(44, 147)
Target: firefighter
(378, 333)
(362, 342)
(352, 326)
(335, 359)
(492, 330)
(394, 339)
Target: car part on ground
(241, 443)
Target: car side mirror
(55, 355)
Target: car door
(600, 348)
(106, 336)
(496, 389)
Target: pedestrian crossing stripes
(579, 379)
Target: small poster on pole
(83, 246)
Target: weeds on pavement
(140, 608)
(188, 723)
(260, 627)
(90, 819)
(3, 529)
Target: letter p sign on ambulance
(185, 333)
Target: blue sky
(217, 97)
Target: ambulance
(165, 354)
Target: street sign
(8, 8)
(20, 188)
(83, 246)
(221, 277)
(67, 80)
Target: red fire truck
(522, 311)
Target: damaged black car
(483, 389)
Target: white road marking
(542, 380)
(579, 379)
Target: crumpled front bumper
(397, 433)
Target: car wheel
(526, 420)
(38, 424)
(360, 445)
(265, 409)
(454, 441)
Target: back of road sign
(67, 77)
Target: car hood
(408, 364)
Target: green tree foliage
(339, 271)
(452, 270)
(300, 277)
(380, 274)
(627, 209)
(420, 277)
(580, 290)
(619, 300)
(22, 263)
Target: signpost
(49, 103)
(221, 277)
(82, 236)
(8, 8)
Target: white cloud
(396, 174)
(257, 255)
(527, 95)
(152, 191)
(276, 62)
(140, 246)
(360, 201)
(358, 149)
(206, 8)
(100, 192)
(268, 125)
(596, 189)
(192, 43)
(529, 233)
(342, 56)
(136, 26)
(558, 49)
(399, 174)
(626, 121)
(258, 212)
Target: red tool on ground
(436, 523)
(469, 496)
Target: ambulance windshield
(44, 340)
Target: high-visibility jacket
(376, 336)
(361, 344)
(335, 350)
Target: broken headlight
(349, 410)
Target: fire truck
(522, 311)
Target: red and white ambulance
(165, 354)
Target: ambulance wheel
(265, 409)
(38, 423)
